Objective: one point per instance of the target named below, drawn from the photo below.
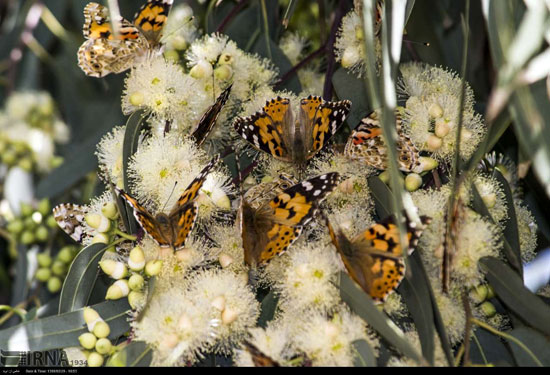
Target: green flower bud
(20, 148)
(101, 329)
(110, 210)
(136, 281)
(172, 55)
(66, 254)
(201, 70)
(42, 233)
(136, 259)
(44, 259)
(225, 59)
(479, 293)
(59, 268)
(54, 284)
(103, 346)
(153, 267)
(427, 163)
(51, 222)
(95, 359)
(99, 222)
(43, 274)
(100, 238)
(116, 270)
(16, 226)
(87, 340)
(118, 290)
(490, 292)
(488, 309)
(25, 164)
(385, 177)
(136, 299)
(434, 143)
(91, 317)
(30, 223)
(412, 182)
(26, 209)
(9, 157)
(44, 207)
(223, 73)
(27, 237)
(435, 110)
(179, 43)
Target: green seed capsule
(54, 284)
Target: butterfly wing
(70, 218)
(320, 120)
(158, 232)
(151, 18)
(259, 359)
(193, 189)
(366, 144)
(208, 120)
(265, 130)
(182, 222)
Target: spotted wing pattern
(366, 144)
(152, 17)
(374, 258)
(70, 218)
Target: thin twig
(236, 9)
(467, 329)
(298, 66)
(327, 89)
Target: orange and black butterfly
(171, 230)
(104, 52)
(271, 228)
(374, 258)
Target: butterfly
(259, 358)
(70, 218)
(259, 194)
(208, 120)
(171, 230)
(374, 258)
(366, 144)
(105, 52)
(271, 228)
(274, 129)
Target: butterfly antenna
(170, 196)
(239, 173)
(163, 38)
(426, 44)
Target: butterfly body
(208, 120)
(374, 258)
(104, 51)
(171, 230)
(366, 144)
(271, 228)
(276, 131)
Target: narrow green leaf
(135, 354)
(289, 12)
(150, 291)
(486, 348)
(416, 295)
(81, 278)
(538, 344)
(510, 289)
(349, 87)
(268, 308)
(364, 356)
(62, 331)
(362, 305)
(381, 194)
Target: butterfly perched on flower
(105, 52)
(374, 258)
(271, 228)
(208, 119)
(70, 218)
(366, 144)
(171, 230)
(259, 358)
(276, 131)
(263, 192)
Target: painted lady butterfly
(374, 258)
(208, 120)
(259, 358)
(272, 227)
(366, 144)
(262, 193)
(171, 230)
(70, 218)
(105, 52)
(275, 131)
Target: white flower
(109, 154)
(273, 341)
(180, 29)
(293, 45)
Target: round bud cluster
(104, 223)
(16, 153)
(34, 223)
(130, 276)
(480, 295)
(222, 68)
(53, 271)
(95, 342)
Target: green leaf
(81, 278)
(348, 86)
(135, 354)
(268, 308)
(362, 305)
(487, 348)
(509, 288)
(381, 194)
(416, 295)
(62, 331)
(538, 344)
(150, 291)
(364, 356)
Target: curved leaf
(81, 278)
(510, 289)
(362, 305)
(538, 344)
(364, 354)
(62, 331)
(135, 354)
(268, 307)
(348, 86)
(381, 194)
